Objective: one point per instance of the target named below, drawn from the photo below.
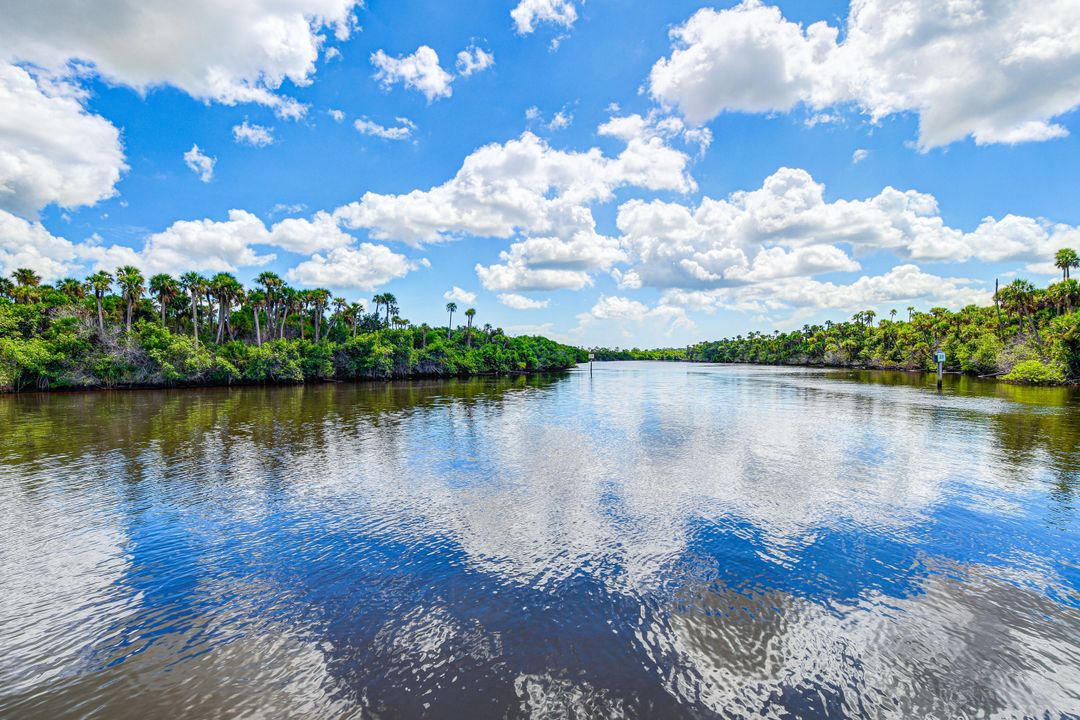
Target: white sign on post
(939, 356)
(591, 356)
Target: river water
(648, 541)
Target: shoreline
(995, 377)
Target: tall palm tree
(165, 287)
(256, 299)
(6, 287)
(355, 311)
(225, 289)
(272, 285)
(130, 281)
(100, 282)
(1064, 259)
(391, 305)
(470, 314)
(194, 283)
(424, 330)
(26, 277)
(450, 308)
(319, 298)
(1022, 294)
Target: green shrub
(1036, 372)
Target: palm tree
(223, 287)
(424, 330)
(6, 287)
(26, 277)
(1022, 295)
(131, 285)
(166, 289)
(100, 282)
(72, 288)
(256, 299)
(450, 308)
(355, 310)
(391, 305)
(1064, 259)
(272, 285)
(470, 314)
(319, 298)
(194, 283)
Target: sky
(605, 172)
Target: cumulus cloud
(251, 134)
(520, 302)
(550, 263)
(458, 295)
(787, 229)
(472, 60)
(402, 131)
(24, 243)
(337, 115)
(213, 51)
(228, 245)
(529, 13)
(622, 312)
(903, 283)
(419, 71)
(1001, 71)
(200, 163)
(51, 149)
(859, 155)
(363, 267)
(521, 185)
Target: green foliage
(1036, 372)
(44, 347)
(1035, 326)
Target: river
(646, 541)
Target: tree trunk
(1031, 321)
(100, 315)
(161, 300)
(129, 314)
(195, 319)
(316, 322)
(258, 332)
(284, 319)
(449, 326)
(997, 306)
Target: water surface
(653, 540)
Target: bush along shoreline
(196, 331)
(1029, 335)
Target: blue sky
(642, 173)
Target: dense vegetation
(195, 330)
(1028, 335)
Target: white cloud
(550, 263)
(560, 121)
(420, 71)
(400, 132)
(528, 13)
(363, 267)
(458, 295)
(200, 163)
(859, 155)
(520, 302)
(338, 115)
(254, 135)
(523, 184)
(621, 312)
(28, 244)
(224, 52)
(901, 284)
(298, 235)
(787, 229)
(51, 149)
(1001, 71)
(472, 60)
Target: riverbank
(84, 358)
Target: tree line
(122, 329)
(1029, 335)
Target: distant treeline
(1029, 335)
(213, 331)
